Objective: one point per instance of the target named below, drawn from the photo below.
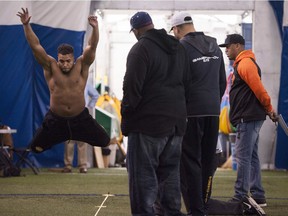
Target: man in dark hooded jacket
(206, 88)
(154, 117)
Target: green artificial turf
(104, 192)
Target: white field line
(263, 176)
(218, 175)
(101, 206)
(77, 173)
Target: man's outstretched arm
(90, 50)
(33, 41)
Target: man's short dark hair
(65, 49)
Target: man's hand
(273, 116)
(93, 21)
(24, 16)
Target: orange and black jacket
(249, 101)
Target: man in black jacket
(206, 88)
(154, 117)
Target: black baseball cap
(233, 39)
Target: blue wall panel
(281, 160)
(24, 94)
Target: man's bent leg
(85, 128)
(52, 131)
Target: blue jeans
(248, 165)
(153, 165)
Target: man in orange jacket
(249, 105)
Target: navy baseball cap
(139, 20)
(233, 39)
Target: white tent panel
(285, 15)
(56, 14)
(9, 9)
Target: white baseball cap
(180, 18)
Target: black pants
(56, 129)
(198, 162)
(213, 206)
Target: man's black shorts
(56, 129)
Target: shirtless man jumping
(67, 118)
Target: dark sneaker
(260, 201)
(251, 207)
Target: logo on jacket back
(205, 58)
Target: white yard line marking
(270, 177)
(101, 206)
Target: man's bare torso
(66, 90)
